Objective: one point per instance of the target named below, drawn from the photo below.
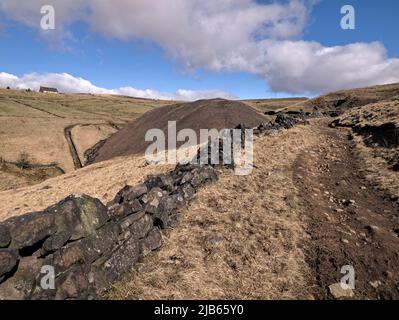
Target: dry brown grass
(274, 104)
(42, 138)
(86, 136)
(375, 114)
(12, 176)
(375, 157)
(346, 99)
(101, 181)
(375, 169)
(257, 220)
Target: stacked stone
(266, 128)
(288, 121)
(394, 163)
(90, 245)
(282, 121)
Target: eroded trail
(348, 221)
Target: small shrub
(112, 124)
(2, 163)
(23, 161)
(318, 102)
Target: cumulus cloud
(228, 35)
(67, 83)
(301, 66)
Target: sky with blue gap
(112, 63)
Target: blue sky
(111, 60)
(375, 21)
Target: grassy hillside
(274, 104)
(32, 127)
(343, 100)
(74, 106)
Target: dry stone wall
(91, 245)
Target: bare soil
(348, 220)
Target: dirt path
(349, 222)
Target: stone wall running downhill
(90, 245)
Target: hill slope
(33, 124)
(202, 114)
(341, 101)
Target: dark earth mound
(202, 114)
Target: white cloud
(301, 66)
(67, 83)
(227, 35)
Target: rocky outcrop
(5, 237)
(283, 121)
(379, 137)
